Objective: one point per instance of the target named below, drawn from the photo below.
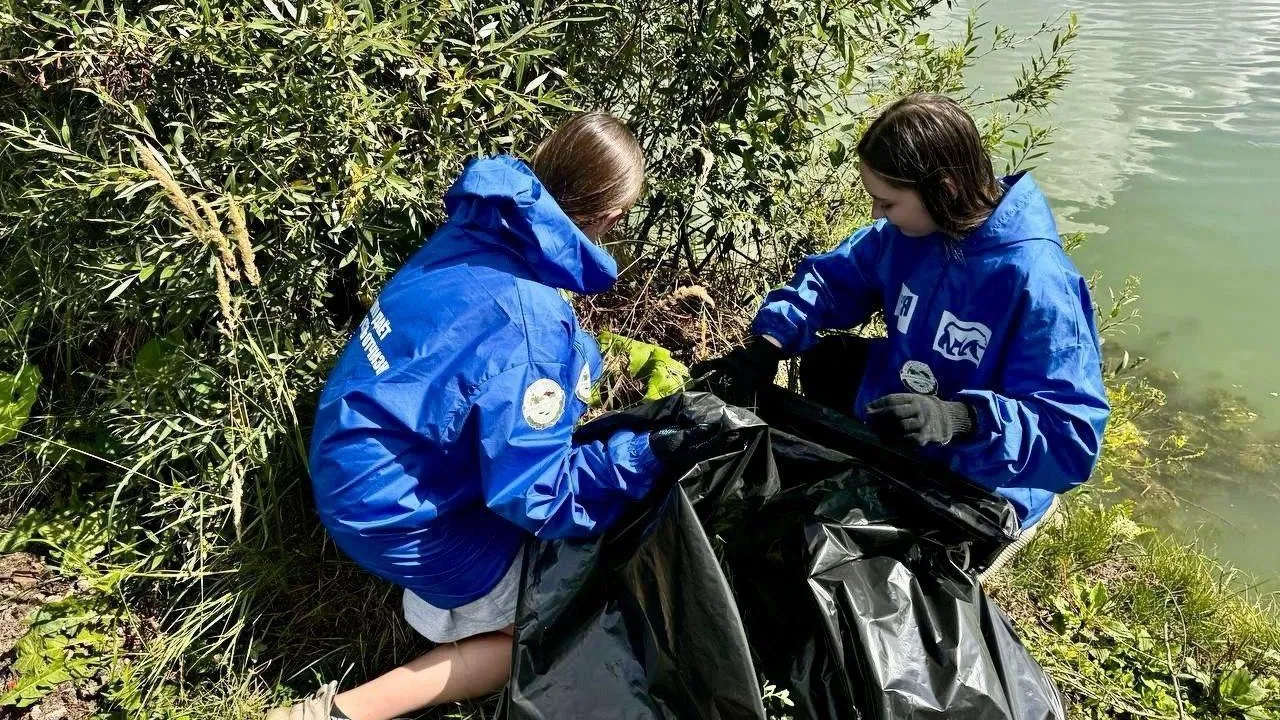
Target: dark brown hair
(591, 164)
(929, 144)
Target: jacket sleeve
(531, 471)
(1044, 429)
(835, 290)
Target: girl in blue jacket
(992, 361)
(443, 438)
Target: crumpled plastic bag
(807, 554)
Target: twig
(1173, 673)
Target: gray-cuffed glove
(922, 419)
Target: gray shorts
(495, 611)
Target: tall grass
(1134, 624)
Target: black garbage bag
(808, 554)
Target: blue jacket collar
(1022, 214)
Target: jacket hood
(502, 195)
(1022, 214)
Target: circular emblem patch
(583, 390)
(919, 378)
(543, 403)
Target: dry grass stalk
(694, 291)
(686, 321)
(173, 191)
(240, 232)
(237, 497)
(219, 240)
(225, 302)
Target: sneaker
(316, 707)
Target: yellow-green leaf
(17, 395)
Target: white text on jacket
(375, 322)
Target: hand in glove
(745, 368)
(684, 446)
(922, 419)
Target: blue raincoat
(443, 436)
(1007, 327)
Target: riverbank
(1132, 624)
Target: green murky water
(1169, 152)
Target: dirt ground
(25, 584)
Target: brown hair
(590, 165)
(928, 143)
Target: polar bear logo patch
(961, 340)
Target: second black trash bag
(808, 554)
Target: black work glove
(745, 368)
(922, 419)
(684, 446)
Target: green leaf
(555, 102)
(30, 688)
(495, 10)
(121, 287)
(536, 83)
(488, 29)
(17, 396)
(156, 355)
(837, 154)
(271, 8)
(12, 333)
(1097, 596)
(58, 647)
(1237, 689)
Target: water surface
(1168, 151)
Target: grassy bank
(1132, 624)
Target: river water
(1168, 152)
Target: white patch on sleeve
(905, 308)
(919, 378)
(583, 389)
(543, 403)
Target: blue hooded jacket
(1007, 327)
(443, 436)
